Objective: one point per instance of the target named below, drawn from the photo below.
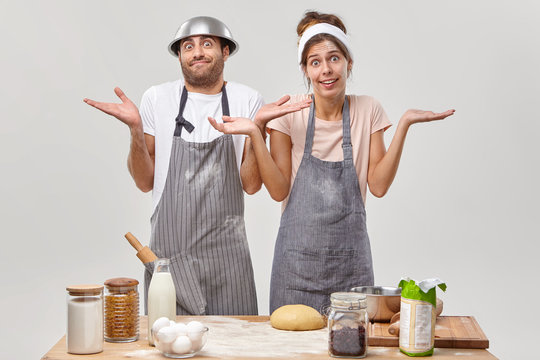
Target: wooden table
(249, 337)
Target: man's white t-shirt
(159, 109)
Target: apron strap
(310, 128)
(346, 143)
(181, 122)
(224, 101)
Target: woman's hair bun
(313, 17)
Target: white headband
(322, 28)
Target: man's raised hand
(126, 112)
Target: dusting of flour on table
(241, 338)
(143, 353)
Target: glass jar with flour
(84, 319)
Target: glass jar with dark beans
(347, 324)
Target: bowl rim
(384, 290)
(204, 329)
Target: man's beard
(207, 79)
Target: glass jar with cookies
(121, 310)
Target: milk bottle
(161, 295)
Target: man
(196, 173)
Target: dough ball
(297, 317)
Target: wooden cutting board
(450, 332)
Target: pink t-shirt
(367, 117)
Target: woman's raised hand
(416, 116)
(126, 112)
(234, 125)
(279, 108)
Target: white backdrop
(464, 205)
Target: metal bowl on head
(382, 301)
(203, 25)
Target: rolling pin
(143, 252)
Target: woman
(320, 163)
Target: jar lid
(121, 282)
(349, 300)
(89, 289)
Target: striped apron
(199, 225)
(322, 245)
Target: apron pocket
(321, 270)
(188, 290)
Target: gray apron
(199, 225)
(322, 244)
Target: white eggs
(195, 335)
(195, 329)
(180, 328)
(195, 326)
(181, 345)
(166, 348)
(196, 345)
(166, 335)
(179, 338)
(159, 324)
